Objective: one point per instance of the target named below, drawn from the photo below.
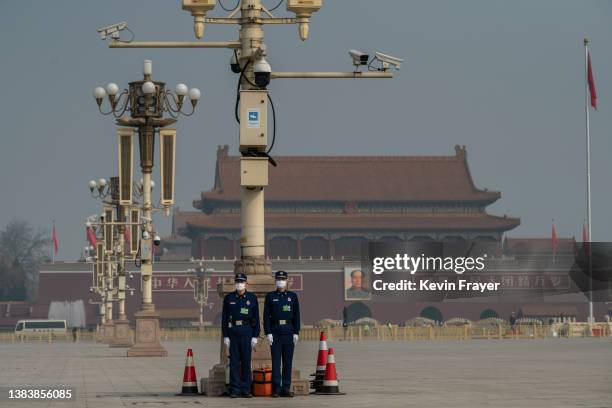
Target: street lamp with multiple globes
(142, 106)
(110, 258)
(200, 289)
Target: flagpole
(588, 173)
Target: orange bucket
(262, 382)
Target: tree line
(22, 249)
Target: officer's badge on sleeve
(248, 302)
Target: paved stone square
(478, 373)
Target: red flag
(55, 240)
(91, 237)
(554, 239)
(127, 236)
(585, 239)
(591, 81)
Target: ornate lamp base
(122, 336)
(147, 342)
(105, 334)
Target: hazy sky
(505, 78)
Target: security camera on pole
(147, 101)
(249, 61)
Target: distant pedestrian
(74, 334)
(344, 321)
(512, 321)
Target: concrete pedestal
(100, 334)
(147, 335)
(105, 333)
(122, 336)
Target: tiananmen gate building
(327, 206)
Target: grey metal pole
(588, 176)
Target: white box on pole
(253, 119)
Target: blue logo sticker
(254, 118)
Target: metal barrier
(354, 333)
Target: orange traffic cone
(321, 363)
(330, 383)
(190, 380)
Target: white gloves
(226, 341)
(295, 339)
(270, 339)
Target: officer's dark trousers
(240, 364)
(282, 349)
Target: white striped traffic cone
(190, 380)
(321, 362)
(330, 383)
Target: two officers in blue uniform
(241, 328)
(281, 320)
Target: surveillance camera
(388, 60)
(112, 30)
(145, 235)
(234, 64)
(157, 240)
(359, 57)
(91, 290)
(131, 275)
(262, 71)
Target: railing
(353, 333)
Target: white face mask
(281, 284)
(240, 286)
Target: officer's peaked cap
(280, 275)
(240, 277)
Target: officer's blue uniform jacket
(240, 307)
(240, 322)
(281, 306)
(282, 320)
